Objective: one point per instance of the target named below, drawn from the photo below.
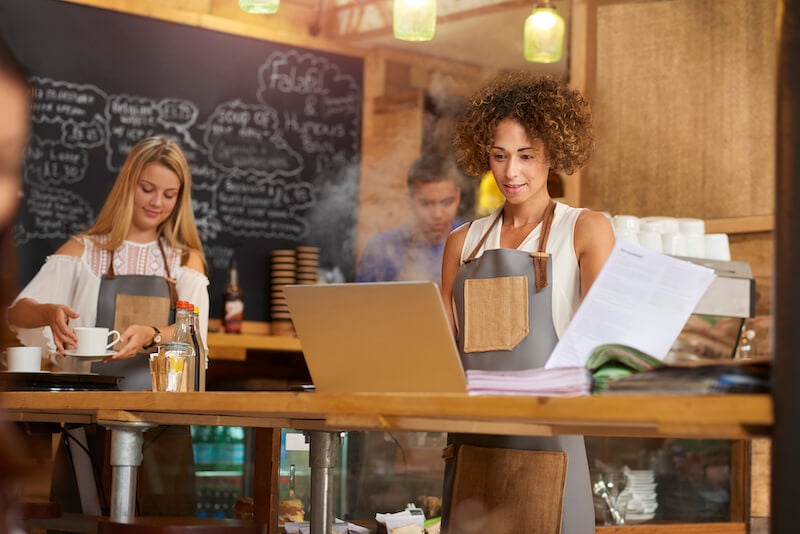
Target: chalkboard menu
(272, 133)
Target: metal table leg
(126, 457)
(322, 460)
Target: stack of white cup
(675, 236)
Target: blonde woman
(126, 272)
(143, 244)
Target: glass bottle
(232, 303)
(200, 348)
(184, 321)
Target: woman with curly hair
(511, 281)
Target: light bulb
(414, 20)
(260, 7)
(544, 35)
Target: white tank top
(560, 245)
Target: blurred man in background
(413, 251)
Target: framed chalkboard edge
(221, 24)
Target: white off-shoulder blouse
(75, 282)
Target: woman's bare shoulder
(73, 247)
(195, 261)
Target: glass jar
(172, 367)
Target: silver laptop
(376, 337)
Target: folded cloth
(698, 378)
(613, 361)
(557, 381)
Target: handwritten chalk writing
(83, 135)
(349, 104)
(292, 122)
(245, 138)
(54, 165)
(293, 73)
(293, 196)
(290, 227)
(218, 256)
(56, 213)
(177, 112)
(57, 101)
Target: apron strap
(173, 292)
(540, 256)
(483, 238)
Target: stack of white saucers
(643, 499)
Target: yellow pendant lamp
(544, 34)
(260, 7)
(414, 20)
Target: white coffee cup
(717, 247)
(696, 245)
(626, 223)
(651, 240)
(23, 359)
(629, 236)
(674, 244)
(93, 341)
(692, 226)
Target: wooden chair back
(507, 490)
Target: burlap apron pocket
(495, 313)
(138, 309)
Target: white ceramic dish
(90, 357)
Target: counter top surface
(709, 416)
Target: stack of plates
(307, 265)
(283, 272)
(643, 500)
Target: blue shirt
(393, 255)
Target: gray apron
(500, 274)
(166, 480)
(133, 299)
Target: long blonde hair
(114, 221)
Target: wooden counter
(689, 416)
(234, 347)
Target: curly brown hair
(546, 108)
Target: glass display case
(672, 480)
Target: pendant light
(414, 20)
(544, 34)
(260, 7)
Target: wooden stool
(176, 525)
(506, 490)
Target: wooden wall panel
(390, 146)
(684, 103)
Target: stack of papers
(556, 382)
(736, 376)
(641, 299)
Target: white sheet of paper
(641, 298)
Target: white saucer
(639, 517)
(23, 372)
(90, 357)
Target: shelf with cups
(254, 336)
